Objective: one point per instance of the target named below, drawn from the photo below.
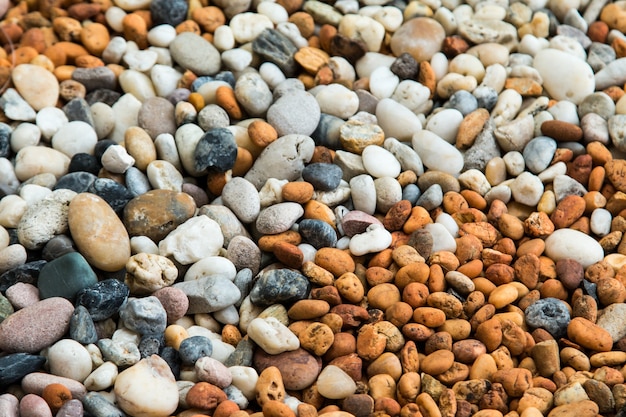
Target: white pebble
(164, 176)
(136, 83)
(449, 223)
(527, 189)
(103, 119)
(272, 336)
(102, 377)
(334, 383)
(375, 239)
(389, 17)
(165, 79)
(445, 124)
(245, 378)
(565, 111)
(436, 153)
(69, 359)
(271, 74)
(601, 222)
(363, 193)
(274, 11)
(442, 238)
(115, 50)
(236, 59)
(75, 137)
(223, 38)
(364, 29)
(379, 162)
(50, 120)
(12, 208)
(140, 60)
(143, 244)
(514, 162)
(25, 134)
(114, 17)
(162, 35)
(396, 120)
(572, 244)
(248, 26)
(413, 95)
(383, 82)
(291, 31)
(31, 193)
(439, 63)
(193, 240)
(369, 62)
(211, 266)
(337, 100)
(116, 160)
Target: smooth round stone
(215, 151)
(213, 116)
(98, 233)
(616, 131)
(82, 328)
(404, 153)
(77, 109)
(295, 113)
(334, 383)
(34, 160)
(279, 286)
(71, 408)
(102, 377)
(241, 196)
(15, 107)
(538, 153)
(156, 116)
(379, 162)
(26, 134)
(38, 86)
(397, 120)
(84, 162)
(120, 351)
(100, 404)
(195, 53)
(253, 94)
(130, 389)
(44, 219)
(436, 153)
(161, 35)
(193, 348)
(600, 221)
(75, 137)
(103, 299)
(318, 233)
(12, 256)
(445, 124)
(550, 314)
(323, 176)
(22, 295)
(572, 80)
(572, 244)
(15, 366)
(69, 359)
(212, 371)
(383, 82)
(612, 74)
(211, 266)
(157, 212)
(338, 101)
(420, 37)
(228, 221)
(49, 120)
(165, 80)
(278, 218)
(36, 327)
(65, 276)
(209, 294)
(244, 254)
(272, 336)
(298, 368)
(193, 240)
(32, 405)
(527, 189)
(137, 84)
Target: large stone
(65, 277)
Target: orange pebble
(225, 98)
(297, 191)
(262, 133)
(188, 26)
(196, 100)
(135, 29)
(243, 163)
(56, 395)
(88, 61)
(24, 54)
(209, 18)
(226, 409)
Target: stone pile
(301, 208)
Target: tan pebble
(70, 89)
(387, 363)
(319, 211)
(174, 335)
(568, 211)
(356, 135)
(308, 309)
(538, 224)
(589, 335)
(297, 191)
(515, 381)
(459, 329)
(383, 296)
(311, 59)
(140, 146)
(188, 26)
(599, 153)
(225, 98)
(426, 402)
(95, 37)
(369, 343)
(511, 226)
(209, 18)
(490, 333)
(135, 29)
(418, 219)
(437, 362)
(316, 274)
(526, 87)
(231, 335)
(584, 408)
(350, 287)
(288, 254)
(503, 295)
(68, 49)
(270, 386)
(204, 396)
(429, 316)
(304, 22)
(243, 162)
(88, 61)
(427, 77)
(275, 408)
(317, 338)
(334, 260)
(607, 359)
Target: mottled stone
(104, 298)
(216, 151)
(277, 48)
(15, 366)
(279, 286)
(317, 233)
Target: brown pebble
(205, 396)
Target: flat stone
(277, 48)
(195, 53)
(14, 366)
(209, 294)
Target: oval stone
(298, 367)
(98, 233)
(572, 244)
(156, 213)
(38, 86)
(65, 277)
(279, 286)
(35, 327)
(572, 79)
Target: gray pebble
(156, 116)
(538, 153)
(212, 116)
(462, 101)
(82, 328)
(244, 253)
(121, 353)
(595, 129)
(564, 185)
(327, 131)
(550, 314)
(98, 406)
(600, 55)
(278, 218)
(388, 193)
(195, 53)
(144, 315)
(431, 198)
(209, 294)
(295, 113)
(484, 149)
(253, 94)
(95, 78)
(598, 103)
(617, 131)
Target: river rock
(571, 80)
(572, 244)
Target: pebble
(209, 294)
(186, 50)
(272, 336)
(65, 276)
(379, 162)
(130, 393)
(436, 153)
(295, 113)
(334, 383)
(569, 243)
(69, 359)
(46, 321)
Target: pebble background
(291, 208)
